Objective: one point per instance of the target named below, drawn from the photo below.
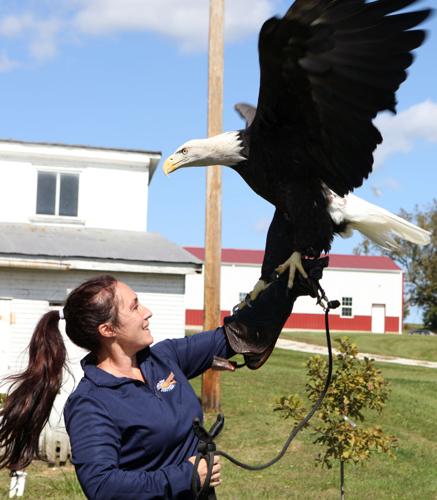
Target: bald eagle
(326, 69)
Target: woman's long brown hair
(30, 399)
(32, 393)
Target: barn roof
(336, 261)
(31, 240)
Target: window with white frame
(346, 307)
(57, 194)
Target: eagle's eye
(184, 151)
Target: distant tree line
(418, 263)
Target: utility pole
(213, 223)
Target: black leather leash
(207, 448)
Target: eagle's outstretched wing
(327, 68)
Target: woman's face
(132, 332)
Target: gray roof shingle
(90, 243)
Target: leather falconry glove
(254, 330)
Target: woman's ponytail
(31, 395)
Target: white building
(68, 213)
(369, 288)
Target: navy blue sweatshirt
(131, 440)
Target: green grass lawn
(43, 482)
(254, 433)
(404, 346)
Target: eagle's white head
(222, 149)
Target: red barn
(370, 289)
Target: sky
(133, 74)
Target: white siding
(366, 287)
(5, 333)
(17, 191)
(34, 290)
(164, 296)
(25, 313)
(168, 320)
(194, 291)
(114, 198)
(235, 279)
(113, 186)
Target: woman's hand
(203, 469)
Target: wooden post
(213, 223)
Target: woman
(130, 418)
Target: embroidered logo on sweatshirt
(167, 384)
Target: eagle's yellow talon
(293, 263)
(260, 285)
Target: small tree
(355, 386)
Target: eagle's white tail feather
(376, 223)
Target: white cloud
(244, 17)
(392, 183)
(401, 131)
(7, 64)
(388, 184)
(376, 190)
(262, 225)
(40, 35)
(13, 26)
(43, 45)
(184, 21)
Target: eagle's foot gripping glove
(254, 330)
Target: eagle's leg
(293, 263)
(260, 285)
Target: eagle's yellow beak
(168, 166)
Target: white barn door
(378, 318)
